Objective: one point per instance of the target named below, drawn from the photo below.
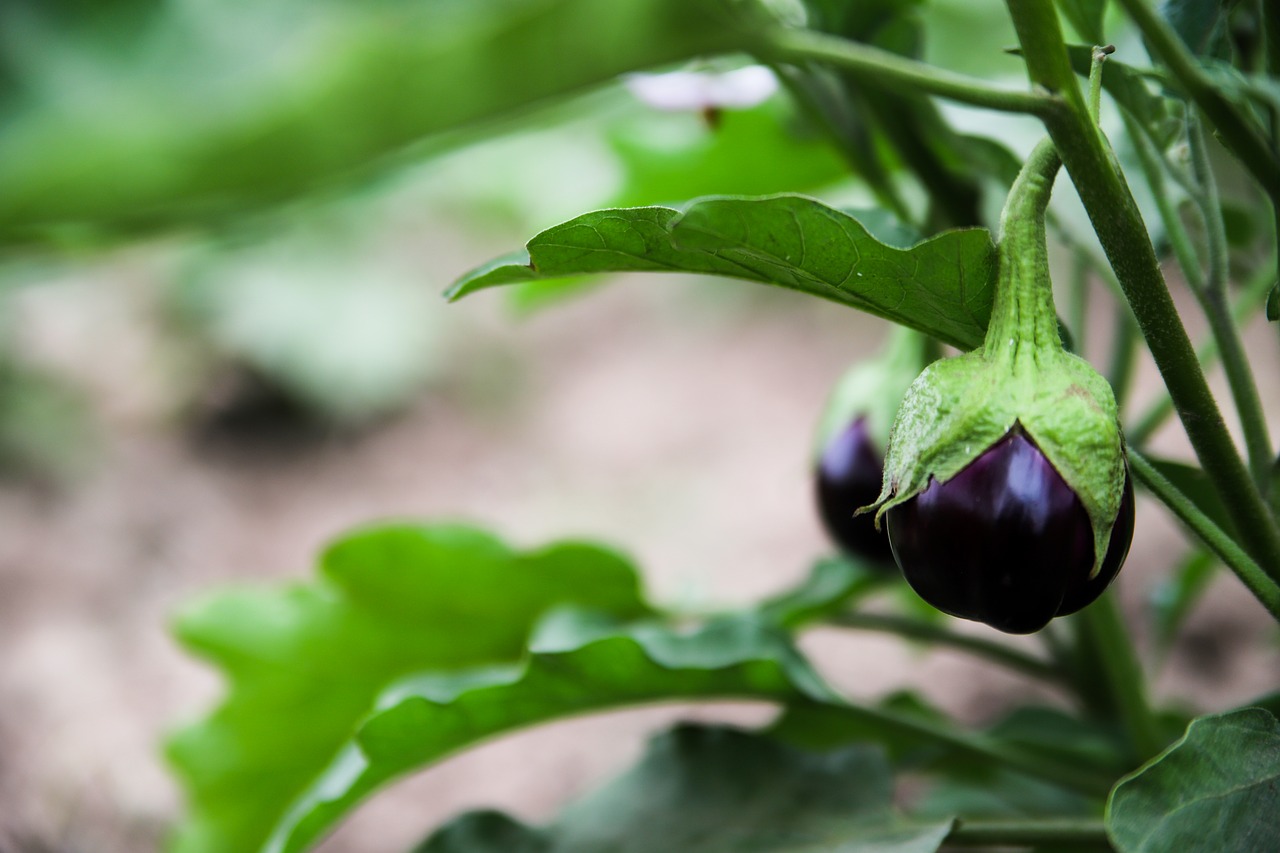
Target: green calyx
(1020, 377)
(874, 388)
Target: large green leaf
(305, 662)
(942, 286)
(1216, 789)
(576, 664)
(182, 117)
(714, 790)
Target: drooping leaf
(175, 123)
(1216, 789)
(702, 789)
(942, 286)
(305, 662)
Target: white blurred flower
(704, 90)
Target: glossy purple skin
(1006, 541)
(849, 476)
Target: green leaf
(305, 662)
(705, 789)
(176, 124)
(1085, 17)
(832, 585)
(1273, 304)
(942, 286)
(669, 157)
(1199, 23)
(1216, 789)
(575, 664)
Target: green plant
(414, 642)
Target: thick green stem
(1123, 673)
(1120, 229)
(914, 629)
(892, 71)
(1022, 315)
(1075, 833)
(1264, 588)
(1236, 130)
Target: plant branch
(1073, 832)
(1264, 588)
(1124, 238)
(914, 629)
(1237, 132)
(893, 71)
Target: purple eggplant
(1006, 541)
(849, 474)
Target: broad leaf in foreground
(701, 789)
(305, 662)
(942, 286)
(576, 664)
(1216, 789)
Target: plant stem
(1124, 348)
(1074, 832)
(1235, 362)
(1250, 301)
(1122, 671)
(1124, 238)
(915, 629)
(1264, 588)
(890, 70)
(1238, 133)
(1093, 783)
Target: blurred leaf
(669, 157)
(942, 286)
(348, 339)
(1196, 485)
(575, 664)
(1273, 303)
(213, 110)
(1199, 23)
(822, 728)
(832, 584)
(705, 789)
(45, 425)
(1216, 789)
(1085, 17)
(1173, 598)
(305, 662)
